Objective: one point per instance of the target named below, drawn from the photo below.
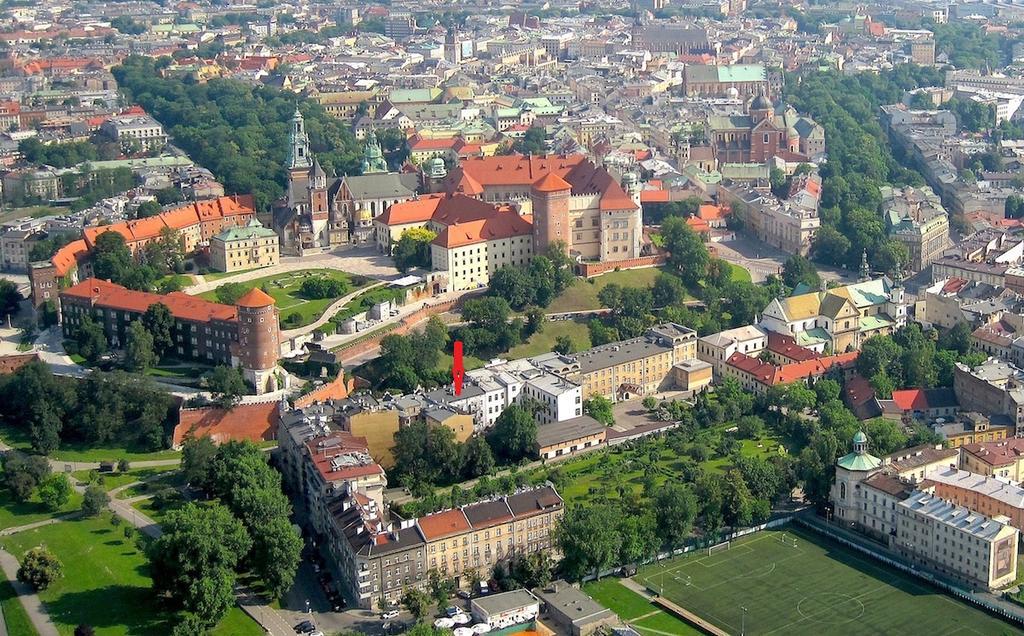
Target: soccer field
(812, 586)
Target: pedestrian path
(29, 599)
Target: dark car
(463, 594)
(305, 627)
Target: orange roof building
(758, 376)
(245, 422)
(246, 335)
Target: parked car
(464, 595)
(388, 615)
(451, 611)
(305, 627)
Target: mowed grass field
(638, 612)
(813, 587)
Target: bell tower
(298, 161)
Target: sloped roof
(551, 182)
(253, 422)
(182, 306)
(256, 297)
(500, 226)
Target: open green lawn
(110, 481)
(182, 280)
(15, 513)
(635, 610)
(583, 294)
(15, 616)
(738, 273)
(815, 587)
(106, 581)
(77, 452)
(600, 474)
(544, 340)
(169, 479)
(361, 303)
(32, 211)
(285, 290)
(215, 276)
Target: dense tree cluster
(409, 361)
(248, 528)
(969, 45)
(656, 213)
(538, 284)
(101, 409)
(413, 249)
(912, 357)
(860, 159)
(237, 131)
(317, 287)
(113, 261)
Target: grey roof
(504, 602)
(952, 515)
(568, 430)
(382, 186)
(613, 354)
(572, 603)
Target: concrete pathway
(325, 317)
(6, 532)
(28, 597)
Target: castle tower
(259, 340)
(761, 108)
(452, 52)
(865, 269)
(434, 172)
(373, 156)
(851, 470)
(298, 162)
(550, 198)
(631, 184)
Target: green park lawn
(738, 273)
(813, 586)
(168, 479)
(600, 474)
(544, 340)
(361, 303)
(78, 452)
(582, 295)
(635, 610)
(110, 481)
(15, 616)
(106, 582)
(285, 290)
(16, 513)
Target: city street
(763, 260)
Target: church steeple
(865, 270)
(298, 151)
(373, 156)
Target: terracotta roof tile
(253, 422)
(256, 297)
(181, 305)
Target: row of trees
(246, 526)
(101, 409)
(538, 284)
(113, 261)
(239, 132)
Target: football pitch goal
(792, 581)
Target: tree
(750, 427)
(160, 324)
(40, 568)
(275, 554)
(413, 249)
(84, 630)
(667, 290)
(23, 473)
(885, 436)
(318, 287)
(798, 270)
(532, 570)
(675, 509)
(198, 456)
(10, 298)
(589, 539)
(564, 345)
(830, 246)
(417, 602)
(147, 209)
(599, 408)
(194, 560)
(533, 141)
(95, 500)
(514, 435)
(227, 386)
(442, 587)
(90, 339)
(139, 353)
(477, 457)
(229, 293)
(425, 453)
(739, 502)
(515, 285)
(687, 253)
(111, 258)
(55, 491)
(649, 403)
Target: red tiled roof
(501, 225)
(551, 182)
(786, 346)
(653, 196)
(910, 399)
(68, 256)
(253, 422)
(177, 218)
(443, 524)
(256, 297)
(770, 374)
(999, 453)
(323, 450)
(182, 306)
(414, 211)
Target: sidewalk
(29, 599)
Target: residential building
(758, 376)
(973, 428)
(241, 248)
(717, 348)
(984, 256)
(635, 367)
(1003, 459)
(789, 225)
(988, 495)
(913, 465)
(950, 301)
(916, 218)
(136, 131)
(244, 335)
(908, 405)
(992, 388)
(954, 541)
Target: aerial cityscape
(602, 317)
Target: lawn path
(29, 599)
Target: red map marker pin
(457, 370)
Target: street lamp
(743, 621)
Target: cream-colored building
(1003, 459)
(636, 367)
(247, 247)
(471, 252)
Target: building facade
(242, 248)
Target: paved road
(29, 599)
(325, 317)
(364, 261)
(762, 260)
